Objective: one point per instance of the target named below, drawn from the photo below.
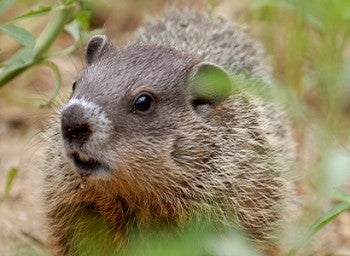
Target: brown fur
(231, 158)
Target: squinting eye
(143, 103)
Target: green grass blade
(320, 223)
(42, 10)
(11, 175)
(19, 34)
(328, 217)
(58, 81)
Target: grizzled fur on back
(190, 152)
(213, 40)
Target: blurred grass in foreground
(92, 235)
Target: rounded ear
(96, 46)
(209, 84)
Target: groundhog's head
(141, 114)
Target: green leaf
(16, 64)
(79, 26)
(5, 4)
(11, 175)
(24, 56)
(32, 13)
(83, 18)
(9, 72)
(328, 217)
(322, 221)
(19, 34)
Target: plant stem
(9, 74)
(45, 40)
(51, 32)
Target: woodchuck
(161, 129)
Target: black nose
(75, 128)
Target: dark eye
(73, 86)
(143, 103)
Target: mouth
(86, 165)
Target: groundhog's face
(139, 113)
